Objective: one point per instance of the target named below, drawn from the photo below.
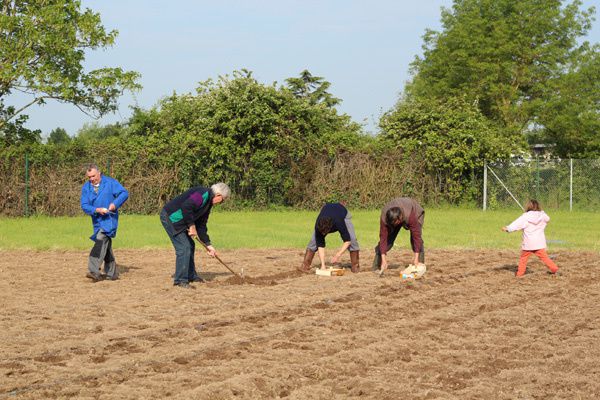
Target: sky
(362, 47)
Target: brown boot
(306, 264)
(354, 260)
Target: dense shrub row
(275, 146)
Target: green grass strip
(451, 228)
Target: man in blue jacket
(101, 197)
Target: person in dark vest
(402, 212)
(184, 218)
(334, 217)
(101, 198)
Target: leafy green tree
(94, 132)
(58, 136)
(570, 118)
(502, 54)
(42, 51)
(452, 138)
(15, 132)
(313, 88)
(238, 130)
(142, 122)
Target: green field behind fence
(557, 184)
(451, 228)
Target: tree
(570, 119)
(94, 132)
(503, 54)
(42, 51)
(243, 132)
(14, 132)
(451, 136)
(58, 136)
(142, 122)
(312, 88)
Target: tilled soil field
(467, 330)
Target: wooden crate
(330, 271)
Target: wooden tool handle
(218, 258)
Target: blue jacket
(110, 191)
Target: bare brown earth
(468, 330)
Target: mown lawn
(444, 228)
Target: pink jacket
(533, 224)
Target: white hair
(222, 189)
(91, 166)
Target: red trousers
(541, 254)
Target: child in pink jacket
(532, 223)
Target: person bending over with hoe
(334, 217)
(532, 223)
(101, 197)
(402, 212)
(184, 218)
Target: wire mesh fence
(565, 184)
(50, 184)
(54, 188)
(44, 186)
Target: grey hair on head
(91, 166)
(222, 189)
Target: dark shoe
(196, 279)
(94, 277)
(183, 285)
(354, 256)
(111, 278)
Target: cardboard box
(330, 271)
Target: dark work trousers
(392, 235)
(185, 268)
(102, 252)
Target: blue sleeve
(86, 206)
(119, 193)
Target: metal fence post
(571, 186)
(537, 176)
(484, 185)
(26, 185)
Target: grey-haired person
(184, 218)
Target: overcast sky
(363, 48)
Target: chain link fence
(557, 184)
(50, 183)
(34, 186)
(54, 188)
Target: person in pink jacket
(532, 223)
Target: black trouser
(102, 252)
